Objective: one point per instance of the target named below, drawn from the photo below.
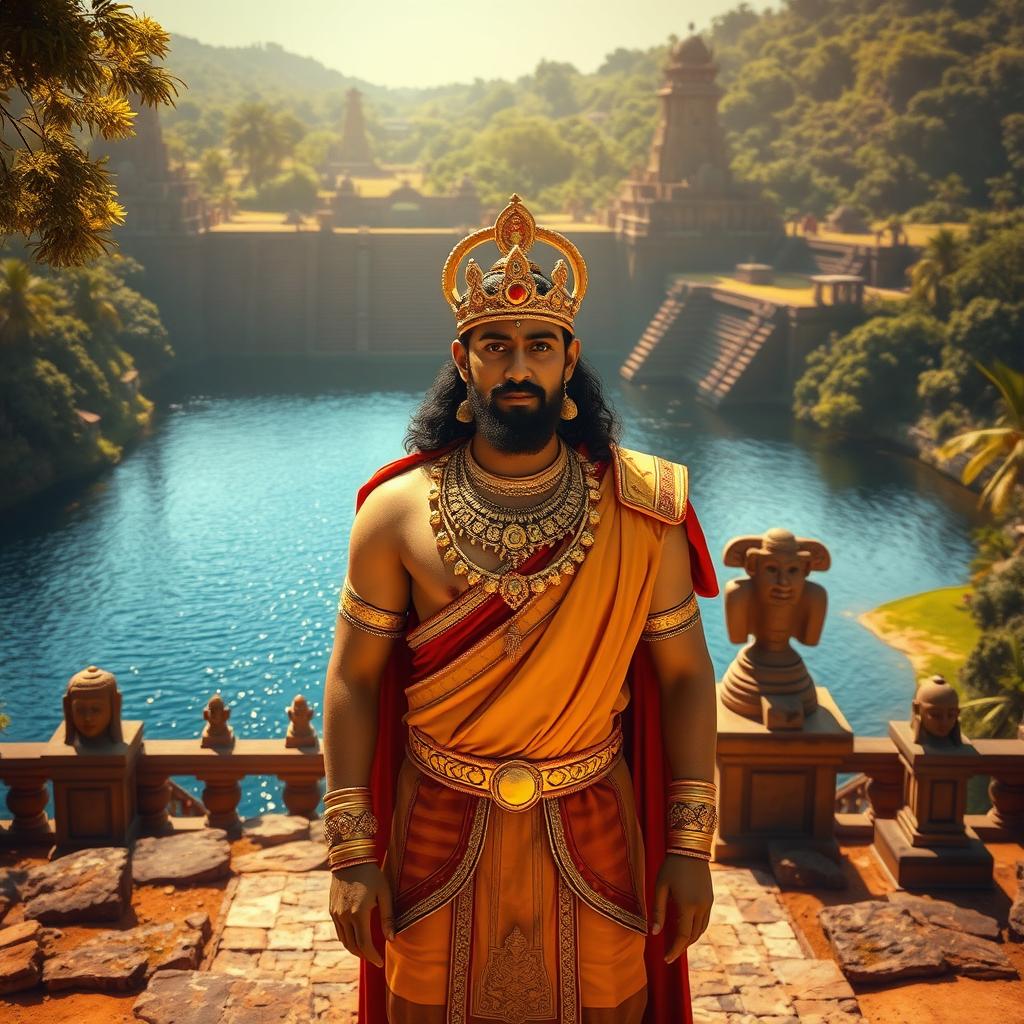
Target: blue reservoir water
(211, 557)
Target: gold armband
(349, 827)
(692, 817)
(673, 622)
(366, 617)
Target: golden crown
(514, 233)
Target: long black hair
(434, 425)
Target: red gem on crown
(516, 292)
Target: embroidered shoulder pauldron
(650, 484)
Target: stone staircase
(704, 337)
(837, 259)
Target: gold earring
(569, 408)
(464, 413)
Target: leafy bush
(998, 600)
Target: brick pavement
(749, 967)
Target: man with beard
(519, 707)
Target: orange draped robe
(536, 915)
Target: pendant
(514, 590)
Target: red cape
(668, 992)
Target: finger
(347, 936)
(387, 914)
(700, 922)
(364, 940)
(660, 903)
(683, 929)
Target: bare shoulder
(388, 507)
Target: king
(519, 709)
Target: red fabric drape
(668, 988)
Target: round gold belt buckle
(516, 785)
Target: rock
(274, 829)
(27, 931)
(802, 868)
(763, 910)
(10, 880)
(972, 956)
(121, 961)
(291, 857)
(82, 887)
(243, 939)
(1016, 919)
(880, 942)
(182, 858)
(946, 915)
(20, 967)
(202, 998)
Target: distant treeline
(910, 107)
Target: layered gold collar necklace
(463, 514)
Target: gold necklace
(515, 587)
(518, 486)
(511, 533)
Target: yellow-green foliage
(76, 64)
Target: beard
(517, 430)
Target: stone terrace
(763, 960)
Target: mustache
(511, 388)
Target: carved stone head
(778, 563)
(935, 714)
(92, 709)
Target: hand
(689, 881)
(355, 891)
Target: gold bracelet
(699, 855)
(664, 625)
(692, 816)
(369, 618)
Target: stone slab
(20, 967)
(274, 829)
(253, 911)
(26, 931)
(973, 956)
(193, 997)
(80, 888)
(813, 979)
(119, 961)
(184, 858)
(946, 914)
(876, 941)
(797, 867)
(301, 856)
(244, 939)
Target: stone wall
(325, 293)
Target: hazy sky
(428, 43)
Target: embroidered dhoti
(516, 944)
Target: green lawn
(934, 629)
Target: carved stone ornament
(775, 603)
(300, 729)
(935, 714)
(217, 732)
(92, 709)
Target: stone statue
(767, 680)
(300, 729)
(935, 714)
(217, 732)
(92, 709)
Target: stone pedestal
(776, 785)
(94, 789)
(928, 845)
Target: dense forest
(900, 107)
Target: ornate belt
(515, 784)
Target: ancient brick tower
(688, 144)
(354, 155)
(685, 211)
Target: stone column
(27, 797)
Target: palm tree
(942, 255)
(260, 140)
(25, 302)
(91, 302)
(1005, 441)
(1009, 702)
